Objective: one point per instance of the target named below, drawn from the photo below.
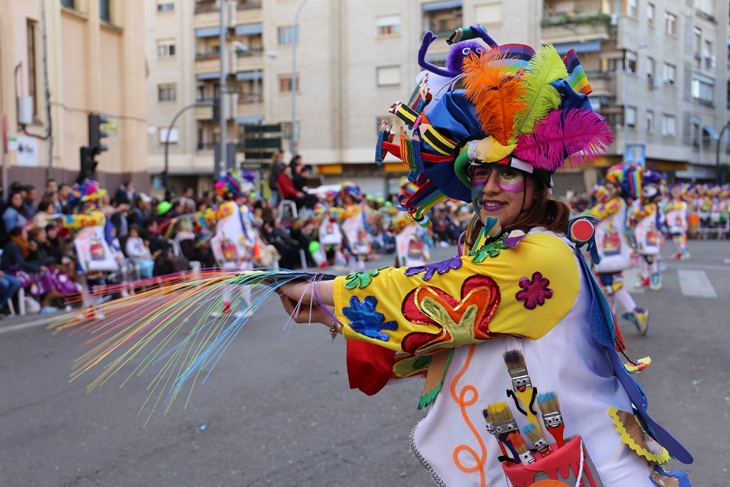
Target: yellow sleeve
(523, 291)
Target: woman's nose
(491, 187)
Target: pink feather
(577, 135)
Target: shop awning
(590, 46)
(711, 132)
(249, 75)
(249, 29)
(430, 7)
(208, 76)
(207, 32)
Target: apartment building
(660, 63)
(64, 60)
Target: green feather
(539, 96)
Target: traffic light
(88, 164)
(96, 133)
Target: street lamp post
(294, 83)
(223, 89)
(717, 153)
(641, 46)
(166, 174)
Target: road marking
(30, 324)
(696, 284)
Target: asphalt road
(279, 412)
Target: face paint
(508, 179)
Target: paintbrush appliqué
(518, 443)
(503, 423)
(540, 443)
(522, 390)
(550, 409)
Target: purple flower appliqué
(430, 269)
(534, 292)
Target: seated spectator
(63, 206)
(165, 261)
(58, 247)
(15, 214)
(125, 193)
(9, 285)
(43, 216)
(55, 283)
(29, 203)
(290, 192)
(288, 248)
(192, 250)
(137, 250)
(141, 210)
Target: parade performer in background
(612, 239)
(412, 241)
(517, 311)
(646, 220)
(676, 216)
(235, 236)
(94, 255)
(353, 226)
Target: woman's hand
(307, 313)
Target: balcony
(206, 145)
(246, 98)
(603, 84)
(576, 28)
(204, 113)
(205, 7)
(248, 4)
(207, 62)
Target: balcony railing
(201, 8)
(589, 18)
(206, 145)
(250, 98)
(207, 55)
(247, 4)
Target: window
(105, 11)
(488, 14)
(630, 62)
(68, 3)
(696, 134)
(650, 121)
(670, 23)
(388, 26)
(669, 125)
(288, 35)
(650, 13)
(650, 67)
(32, 58)
(633, 7)
(697, 40)
(166, 48)
(166, 92)
(388, 76)
(703, 88)
(174, 135)
(707, 6)
(165, 6)
(285, 84)
(670, 73)
(709, 54)
(631, 117)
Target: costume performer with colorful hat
(353, 226)
(676, 216)
(612, 239)
(647, 221)
(412, 241)
(518, 311)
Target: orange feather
(494, 89)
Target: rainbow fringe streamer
(145, 327)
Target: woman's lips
(489, 205)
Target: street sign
(635, 153)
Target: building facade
(660, 63)
(71, 58)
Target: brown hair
(34, 232)
(545, 212)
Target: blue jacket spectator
(15, 215)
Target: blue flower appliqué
(430, 269)
(366, 321)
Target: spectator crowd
(152, 237)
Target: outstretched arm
(482, 33)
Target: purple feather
(577, 135)
(461, 50)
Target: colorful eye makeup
(508, 179)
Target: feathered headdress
(627, 178)
(521, 108)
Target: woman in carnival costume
(613, 242)
(511, 302)
(676, 216)
(647, 222)
(519, 298)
